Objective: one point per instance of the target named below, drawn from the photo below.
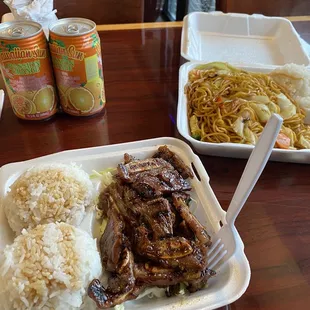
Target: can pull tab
(73, 28)
(17, 32)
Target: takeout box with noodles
(242, 69)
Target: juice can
(27, 70)
(76, 54)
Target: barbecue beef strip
(149, 186)
(129, 195)
(172, 158)
(128, 171)
(97, 293)
(191, 221)
(151, 238)
(196, 260)
(158, 216)
(112, 241)
(167, 248)
(173, 180)
(121, 285)
(152, 177)
(198, 284)
(184, 230)
(152, 275)
(152, 184)
(111, 197)
(119, 197)
(103, 203)
(128, 158)
(148, 275)
(123, 280)
(104, 299)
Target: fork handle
(254, 167)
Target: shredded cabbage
(182, 289)
(250, 137)
(307, 118)
(238, 126)
(262, 111)
(102, 179)
(260, 99)
(290, 133)
(304, 142)
(287, 107)
(95, 174)
(105, 177)
(98, 174)
(243, 131)
(273, 108)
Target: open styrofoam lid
(241, 39)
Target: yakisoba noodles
(226, 104)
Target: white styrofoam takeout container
(235, 150)
(241, 39)
(230, 282)
(250, 42)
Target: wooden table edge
(156, 25)
(139, 26)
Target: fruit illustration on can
(27, 71)
(76, 55)
(22, 106)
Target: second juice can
(76, 55)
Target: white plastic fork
(224, 242)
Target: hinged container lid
(241, 39)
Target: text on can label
(70, 51)
(18, 54)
